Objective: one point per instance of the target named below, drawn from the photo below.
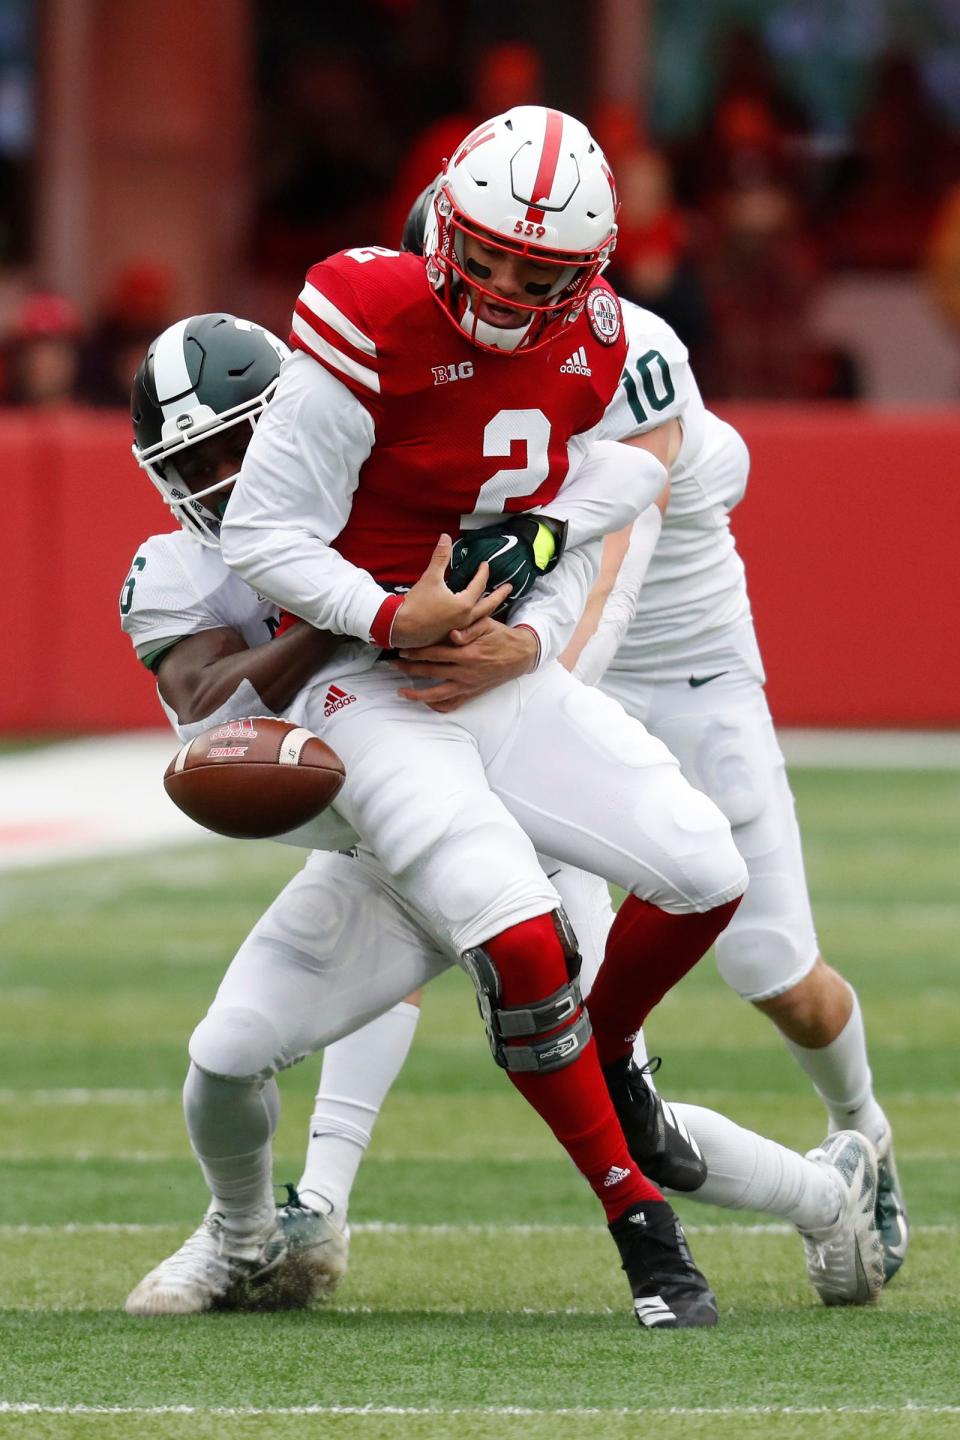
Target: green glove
(518, 549)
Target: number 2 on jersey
(508, 428)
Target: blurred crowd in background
(740, 202)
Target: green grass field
(483, 1297)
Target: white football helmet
(198, 378)
(534, 183)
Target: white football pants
(455, 805)
(722, 734)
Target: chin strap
(477, 329)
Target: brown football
(254, 778)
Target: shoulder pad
(348, 308)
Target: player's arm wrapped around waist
(620, 605)
(609, 485)
(554, 606)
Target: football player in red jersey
(204, 633)
(412, 379)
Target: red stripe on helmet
(549, 156)
(479, 136)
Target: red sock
(573, 1101)
(647, 952)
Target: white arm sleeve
(244, 701)
(294, 496)
(608, 486)
(554, 606)
(620, 605)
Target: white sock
(356, 1077)
(840, 1072)
(746, 1171)
(230, 1127)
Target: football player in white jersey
(671, 638)
(689, 667)
(203, 632)
(339, 946)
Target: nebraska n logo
(577, 364)
(336, 699)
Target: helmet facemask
(562, 298)
(533, 184)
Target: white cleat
(211, 1270)
(845, 1260)
(317, 1249)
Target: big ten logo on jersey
(443, 374)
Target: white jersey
(694, 594)
(177, 587)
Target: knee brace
(562, 1013)
(234, 1044)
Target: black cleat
(660, 1144)
(669, 1292)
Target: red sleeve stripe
(304, 334)
(317, 304)
(333, 337)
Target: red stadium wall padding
(849, 531)
(81, 508)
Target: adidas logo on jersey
(336, 699)
(614, 1175)
(577, 364)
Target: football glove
(517, 548)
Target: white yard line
(871, 749)
(91, 797)
(113, 1096)
(87, 1097)
(391, 1227)
(174, 1157)
(244, 1411)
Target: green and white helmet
(199, 377)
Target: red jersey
(460, 431)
